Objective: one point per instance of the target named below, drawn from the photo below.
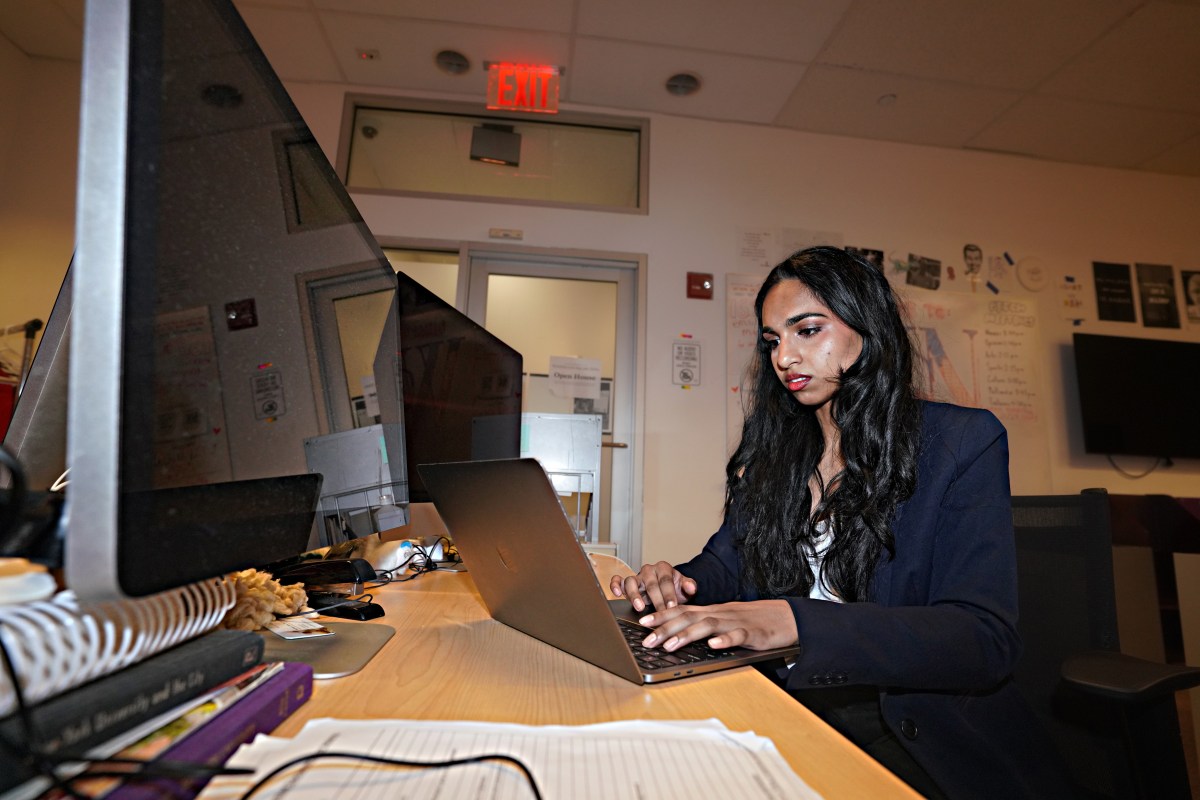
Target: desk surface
(450, 660)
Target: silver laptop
(520, 549)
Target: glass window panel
(543, 317)
(360, 318)
(561, 163)
(360, 321)
(436, 271)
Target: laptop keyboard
(656, 658)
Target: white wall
(708, 179)
(39, 128)
(13, 68)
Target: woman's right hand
(659, 585)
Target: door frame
(321, 337)
(625, 500)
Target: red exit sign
(523, 87)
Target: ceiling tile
(532, 15)
(44, 29)
(1014, 44)
(293, 42)
(1151, 60)
(407, 50)
(792, 30)
(73, 9)
(1129, 70)
(874, 105)
(1182, 159)
(1083, 132)
(623, 75)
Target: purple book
(260, 711)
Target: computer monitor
(1166, 374)
(201, 195)
(36, 435)
(454, 386)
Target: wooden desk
(450, 660)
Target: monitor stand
(352, 645)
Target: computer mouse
(354, 609)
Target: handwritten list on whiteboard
(984, 352)
(1009, 339)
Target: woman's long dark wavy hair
(878, 415)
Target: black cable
(415, 569)
(31, 753)
(426, 551)
(163, 768)
(177, 778)
(164, 784)
(396, 762)
(28, 520)
(1136, 475)
(412, 576)
(10, 514)
(449, 544)
(418, 564)
(366, 597)
(382, 578)
(45, 764)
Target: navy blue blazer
(939, 640)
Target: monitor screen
(201, 196)
(37, 434)
(459, 385)
(1138, 396)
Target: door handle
(619, 445)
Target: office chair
(1112, 716)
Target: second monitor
(448, 390)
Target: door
(580, 306)
(541, 304)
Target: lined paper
(631, 759)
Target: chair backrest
(1067, 606)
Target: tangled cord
(10, 514)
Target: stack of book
(192, 704)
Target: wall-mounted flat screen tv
(1139, 396)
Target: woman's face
(809, 346)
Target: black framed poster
(1114, 292)
(1156, 288)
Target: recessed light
(683, 84)
(452, 62)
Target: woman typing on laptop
(874, 530)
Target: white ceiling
(1104, 82)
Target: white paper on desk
(609, 760)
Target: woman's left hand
(757, 625)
